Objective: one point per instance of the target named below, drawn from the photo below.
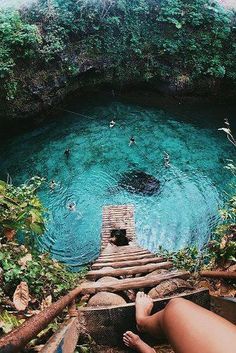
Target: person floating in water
(72, 206)
(67, 153)
(226, 122)
(228, 132)
(112, 124)
(52, 184)
(166, 160)
(132, 141)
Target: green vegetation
(219, 252)
(19, 41)
(22, 214)
(178, 41)
(21, 210)
(43, 275)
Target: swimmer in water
(52, 185)
(67, 153)
(132, 141)
(226, 121)
(112, 124)
(166, 160)
(72, 207)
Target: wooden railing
(18, 338)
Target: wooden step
(106, 325)
(127, 271)
(124, 257)
(130, 283)
(121, 249)
(124, 253)
(127, 263)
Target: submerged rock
(139, 182)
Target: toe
(129, 333)
(126, 341)
(126, 333)
(132, 335)
(140, 295)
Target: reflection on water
(182, 212)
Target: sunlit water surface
(184, 212)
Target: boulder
(106, 299)
(169, 287)
(107, 279)
(161, 271)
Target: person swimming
(132, 141)
(112, 124)
(67, 153)
(72, 206)
(52, 184)
(226, 122)
(166, 160)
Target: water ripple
(184, 211)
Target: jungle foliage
(43, 275)
(41, 279)
(177, 40)
(21, 211)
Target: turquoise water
(183, 212)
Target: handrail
(18, 338)
(219, 274)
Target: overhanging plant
(21, 211)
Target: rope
(90, 117)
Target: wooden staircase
(119, 272)
(124, 270)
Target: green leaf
(37, 228)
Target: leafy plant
(136, 40)
(21, 210)
(43, 275)
(223, 244)
(8, 321)
(189, 258)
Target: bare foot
(143, 305)
(134, 341)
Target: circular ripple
(183, 212)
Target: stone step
(127, 271)
(130, 283)
(127, 263)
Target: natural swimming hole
(182, 211)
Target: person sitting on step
(188, 327)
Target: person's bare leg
(144, 320)
(189, 327)
(134, 341)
